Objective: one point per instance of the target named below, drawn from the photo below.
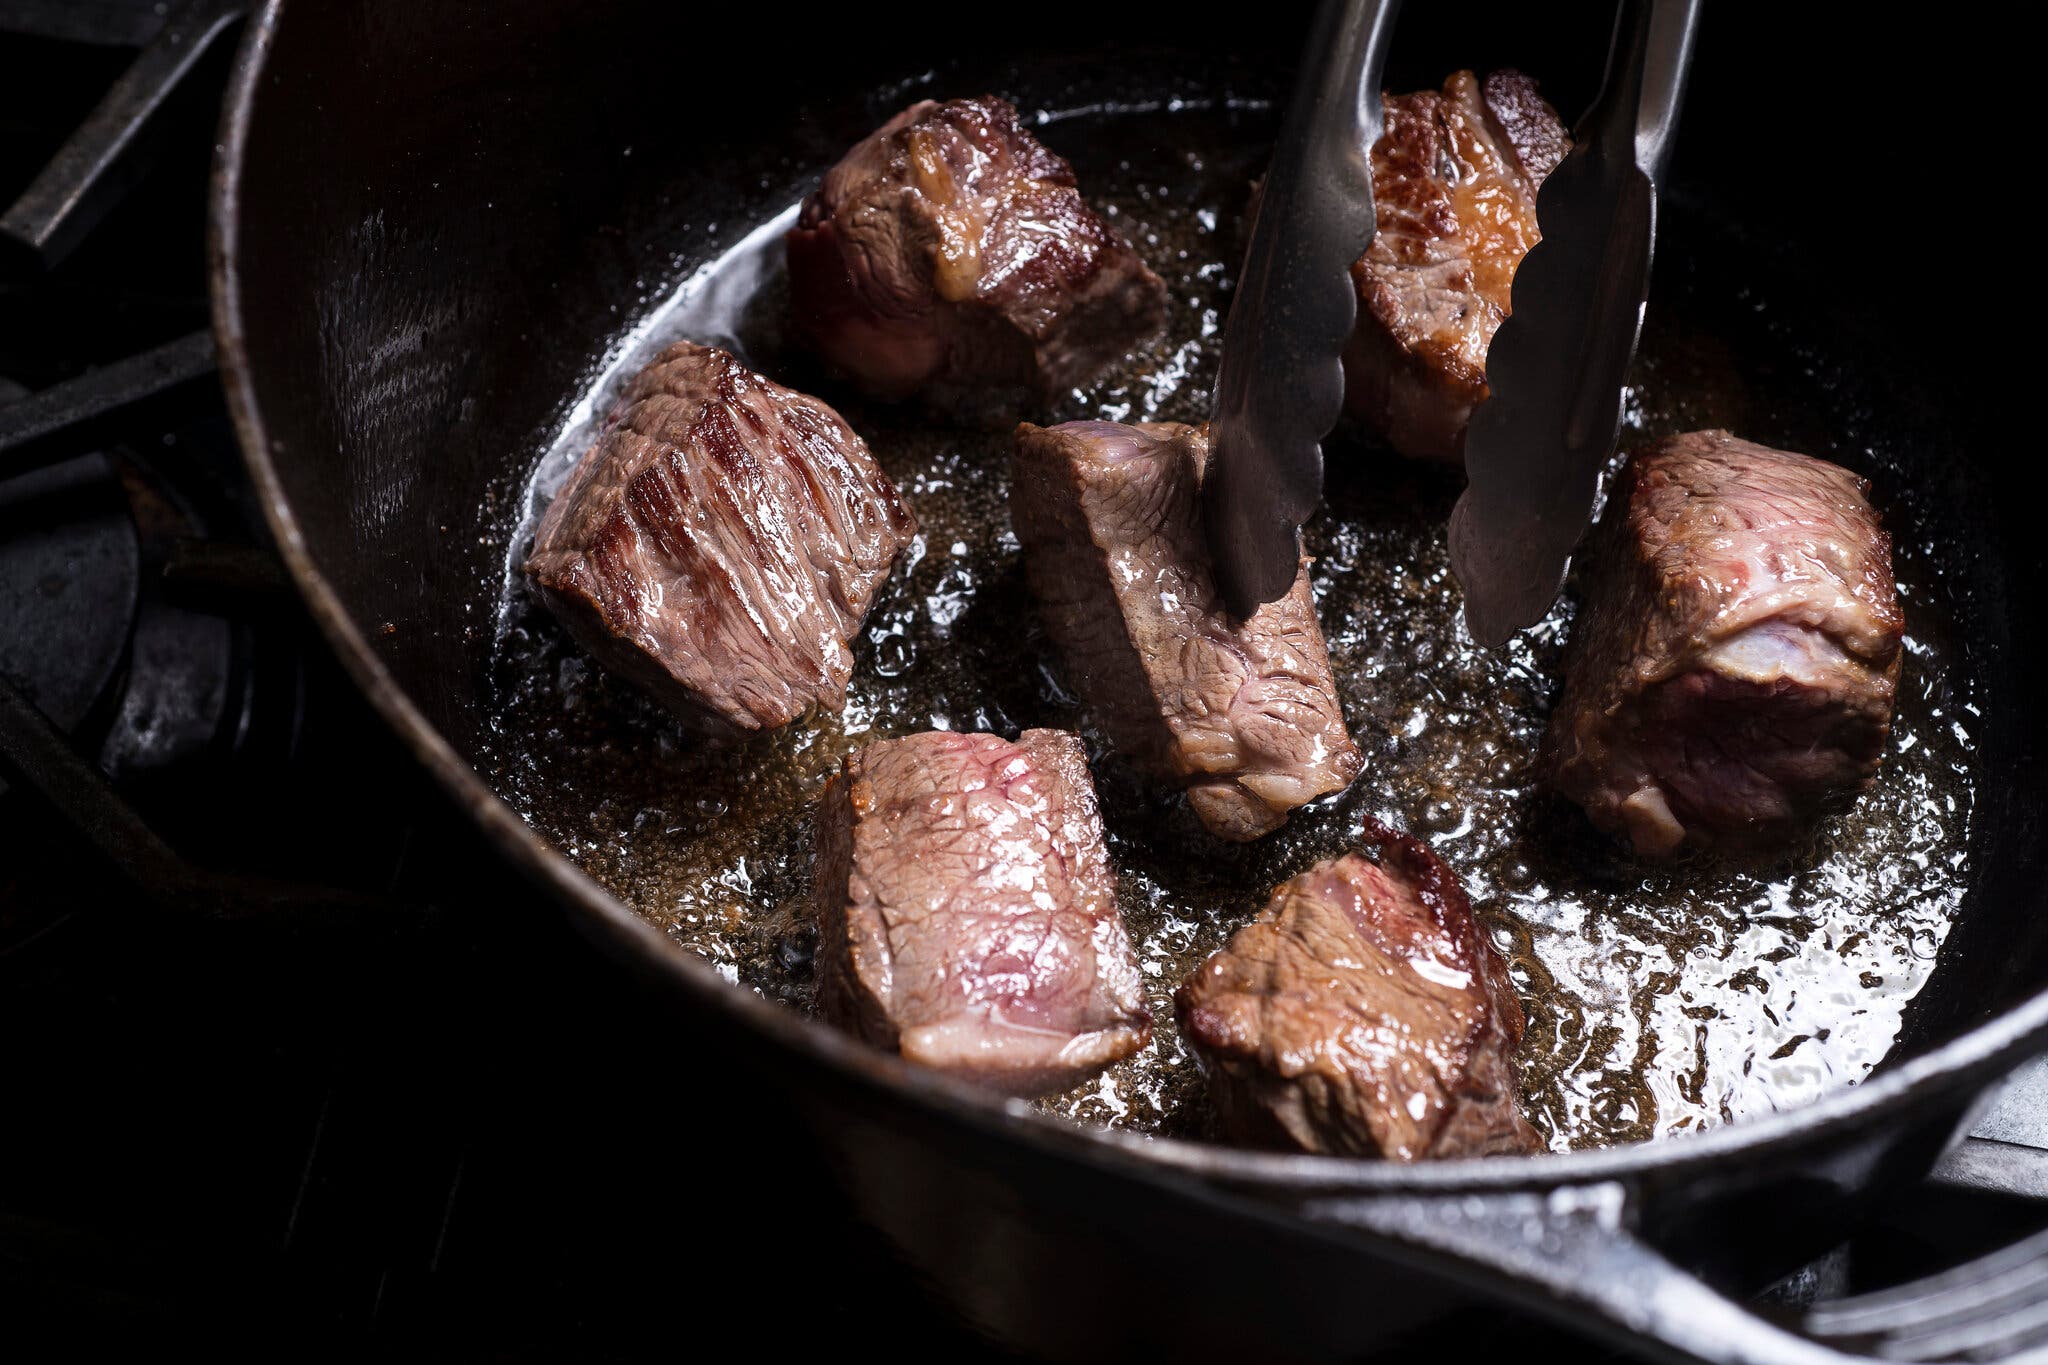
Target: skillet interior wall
(452, 209)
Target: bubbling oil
(1659, 1000)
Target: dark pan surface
(1658, 1003)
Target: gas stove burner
(70, 583)
(152, 693)
(147, 670)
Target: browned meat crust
(1363, 1013)
(1454, 179)
(721, 542)
(1243, 714)
(1732, 671)
(967, 915)
(950, 256)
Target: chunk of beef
(967, 915)
(1454, 181)
(1243, 713)
(950, 256)
(721, 542)
(1363, 1013)
(1732, 668)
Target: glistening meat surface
(1242, 713)
(967, 914)
(1454, 180)
(1732, 671)
(1363, 1013)
(721, 542)
(950, 256)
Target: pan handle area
(1572, 1254)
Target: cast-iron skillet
(430, 215)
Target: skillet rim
(1974, 1058)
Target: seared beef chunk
(1454, 181)
(1363, 1013)
(967, 915)
(950, 256)
(1732, 669)
(1242, 713)
(721, 543)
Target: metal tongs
(1281, 384)
(1537, 445)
